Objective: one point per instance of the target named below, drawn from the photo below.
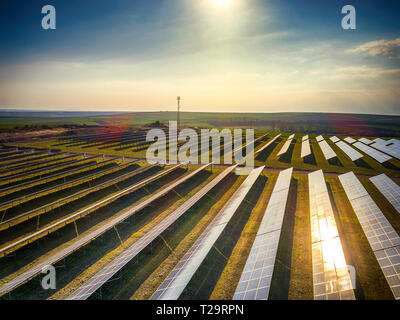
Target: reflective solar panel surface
(291, 136)
(284, 148)
(326, 150)
(304, 138)
(319, 138)
(255, 281)
(391, 147)
(365, 140)
(331, 278)
(305, 148)
(334, 139)
(352, 153)
(177, 280)
(377, 155)
(379, 141)
(350, 140)
(383, 239)
(395, 141)
(388, 188)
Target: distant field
(328, 123)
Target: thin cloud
(388, 48)
(361, 72)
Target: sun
(221, 3)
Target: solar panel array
(334, 139)
(388, 188)
(350, 140)
(319, 138)
(391, 147)
(377, 155)
(268, 143)
(64, 252)
(383, 239)
(57, 224)
(130, 253)
(304, 138)
(176, 281)
(61, 186)
(255, 281)
(331, 278)
(365, 140)
(40, 180)
(352, 153)
(305, 148)
(326, 150)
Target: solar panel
(285, 147)
(305, 148)
(268, 143)
(176, 281)
(304, 138)
(291, 137)
(383, 239)
(326, 150)
(64, 252)
(331, 278)
(388, 188)
(319, 138)
(94, 283)
(391, 147)
(365, 141)
(350, 140)
(255, 281)
(334, 139)
(377, 155)
(380, 141)
(349, 151)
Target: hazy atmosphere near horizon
(220, 55)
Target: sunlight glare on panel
(330, 274)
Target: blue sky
(242, 56)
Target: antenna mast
(179, 109)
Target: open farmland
(117, 227)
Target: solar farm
(317, 218)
